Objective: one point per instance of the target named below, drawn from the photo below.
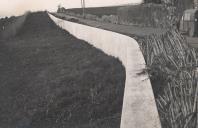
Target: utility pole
(83, 7)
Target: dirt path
(49, 79)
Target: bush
(110, 19)
(154, 15)
(91, 17)
(172, 66)
(13, 26)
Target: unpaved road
(49, 79)
(124, 29)
(132, 31)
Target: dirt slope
(49, 79)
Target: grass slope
(49, 79)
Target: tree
(185, 4)
(59, 6)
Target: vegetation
(172, 2)
(50, 79)
(10, 26)
(153, 1)
(180, 5)
(98, 11)
(149, 15)
(172, 67)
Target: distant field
(99, 11)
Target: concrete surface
(139, 107)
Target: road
(124, 29)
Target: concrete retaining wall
(139, 108)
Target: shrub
(155, 15)
(91, 17)
(110, 19)
(172, 66)
(14, 26)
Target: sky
(18, 7)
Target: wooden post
(83, 8)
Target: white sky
(17, 7)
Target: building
(195, 3)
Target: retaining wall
(139, 107)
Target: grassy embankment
(51, 79)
